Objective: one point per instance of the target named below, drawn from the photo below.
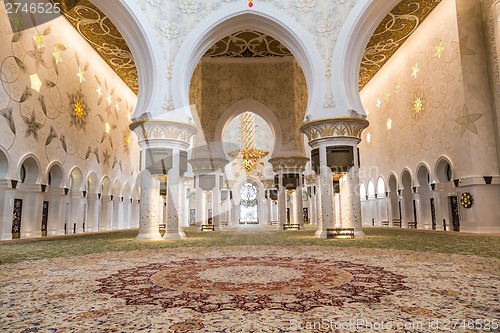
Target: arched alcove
(393, 183)
(423, 175)
(371, 189)
(55, 175)
(92, 183)
(406, 179)
(105, 186)
(256, 107)
(29, 171)
(362, 191)
(76, 179)
(117, 188)
(444, 171)
(381, 187)
(126, 191)
(4, 164)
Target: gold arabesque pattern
(103, 36)
(248, 44)
(391, 33)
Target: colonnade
(33, 210)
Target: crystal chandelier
(249, 154)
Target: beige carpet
(252, 289)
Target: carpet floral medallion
(252, 284)
(252, 289)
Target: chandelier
(249, 154)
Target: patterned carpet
(252, 289)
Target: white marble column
(7, 194)
(57, 204)
(149, 207)
(117, 213)
(216, 203)
(93, 209)
(135, 213)
(182, 207)
(326, 189)
(269, 207)
(229, 209)
(200, 197)
(106, 215)
(172, 214)
(298, 204)
(350, 202)
(281, 201)
(76, 212)
(31, 218)
(313, 210)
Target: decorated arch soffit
(391, 33)
(98, 30)
(104, 37)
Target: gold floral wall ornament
(466, 200)
(78, 110)
(418, 106)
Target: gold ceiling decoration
(391, 33)
(247, 44)
(103, 36)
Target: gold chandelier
(249, 154)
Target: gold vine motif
(248, 44)
(391, 33)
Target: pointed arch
(264, 18)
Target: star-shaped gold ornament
(81, 74)
(99, 91)
(57, 56)
(415, 71)
(439, 50)
(38, 38)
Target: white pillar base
(172, 236)
(149, 236)
(321, 234)
(358, 233)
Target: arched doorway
(249, 205)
